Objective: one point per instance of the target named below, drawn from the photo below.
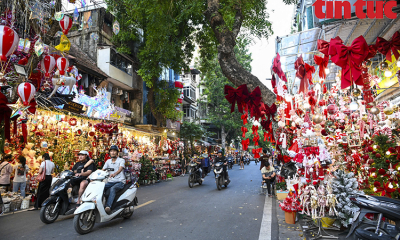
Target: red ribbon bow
(386, 190)
(304, 72)
(255, 130)
(244, 130)
(276, 67)
(372, 49)
(236, 96)
(387, 47)
(244, 118)
(257, 152)
(256, 138)
(265, 124)
(349, 59)
(245, 144)
(253, 102)
(323, 47)
(265, 136)
(270, 111)
(322, 62)
(5, 114)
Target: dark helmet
(114, 147)
(219, 151)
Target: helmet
(114, 147)
(220, 151)
(83, 152)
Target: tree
(191, 131)
(219, 112)
(170, 29)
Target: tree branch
(238, 21)
(230, 66)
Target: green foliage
(191, 131)
(261, 143)
(281, 186)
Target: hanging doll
(331, 200)
(314, 203)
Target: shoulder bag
(42, 176)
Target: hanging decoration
(48, 63)
(94, 36)
(26, 92)
(65, 24)
(116, 27)
(62, 65)
(9, 42)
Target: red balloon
(66, 24)
(8, 42)
(48, 63)
(62, 65)
(26, 91)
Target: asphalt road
(168, 210)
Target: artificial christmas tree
(344, 185)
(383, 177)
(147, 172)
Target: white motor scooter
(92, 208)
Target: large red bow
(387, 47)
(270, 111)
(265, 124)
(323, 47)
(236, 96)
(244, 118)
(245, 144)
(5, 114)
(244, 130)
(276, 67)
(372, 49)
(273, 81)
(304, 72)
(386, 190)
(255, 129)
(349, 59)
(256, 138)
(257, 152)
(322, 62)
(253, 102)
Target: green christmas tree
(383, 179)
(146, 171)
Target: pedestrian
(183, 166)
(44, 187)
(205, 164)
(268, 172)
(263, 158)
(242, 161)
(5, 172)
(20, 170)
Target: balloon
(62, 65)
(8, 42)
(26, 92)
(66, 24)
(48, 63)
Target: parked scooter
(92, 209)
(384, 207)
(59, 203)
(219, 176)
(194, 174)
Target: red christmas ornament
(370, 149)
(374, 152)
(365, 157)
(378, 155)
(377, 184)
(72, 121)
(332, 108)
(382, 171)
(387, 161)
(324, 133)
(372, 169)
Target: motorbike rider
(195, 159)
(82, 169)
(116, 180)
(221, 158)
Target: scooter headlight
(58, 188)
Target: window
(189, 92)
(189, 111)
(120, 62)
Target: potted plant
(290, 206)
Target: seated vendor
(82, 169)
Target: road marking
(265, 230)
(144, 204)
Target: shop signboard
(74, 107)
(121, 115)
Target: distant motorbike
(219, 176)
(384, 207)
(59, 203)
(256, 160)
(247, 161)
(194, 174)
(230, 163)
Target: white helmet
(83, 152)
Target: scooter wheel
(191, 181)
(219, 187)
(82, 224)
(127, 215)
(46, 213)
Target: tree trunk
(151, 100)
(226, 38)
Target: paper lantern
(178, 84)
(26, 92)
(47, 64)
(62, 65)
(8, 42)
(65, 24)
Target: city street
(171, 210)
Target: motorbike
(219, 176)
(230, 163)
(384, 207)
(246, 161)
(59, 202)
(194, 174)
(94, 198)
(256, 160)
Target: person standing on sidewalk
(242, 161)
(20, 170)
(5, 172)
(44, 187)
